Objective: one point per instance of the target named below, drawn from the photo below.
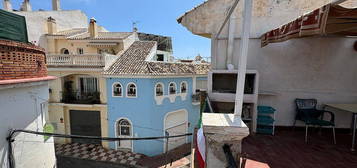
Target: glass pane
(183, 88)
(132, 90)
(117, 90)
(159, 91)
(125, 130)
(172, 89)
(124, 122)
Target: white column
(194, 84)
(214, 46)
(242, 64)
(7, 5)
(56, 5)
(230, 46)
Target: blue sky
(153, 16)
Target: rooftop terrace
(287, 149)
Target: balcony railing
(81, 97)
(86, 60)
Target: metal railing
(93, 60)
(77, 97)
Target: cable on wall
(10, 139)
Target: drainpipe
(242, 59)
(214, 44)
(230, 46)
(231, 10)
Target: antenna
(135, 28)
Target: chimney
(7, 5)
(93, 29)
(26, 6)
(56, 5)
(51, 25)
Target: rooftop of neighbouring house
(83, 34)
(164, 43)
(22, 62)
(206, 18)
(136, 61)
(287, 148)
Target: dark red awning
(327, 20)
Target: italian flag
(201, 145)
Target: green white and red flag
(201, 145)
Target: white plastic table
(352, 108)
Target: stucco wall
(54, 46)
(267, 15)
(59, 110)
(56, 86)
(321, 68)
(143, 112)
(21, 109)
(36, 22)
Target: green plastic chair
(307, 112)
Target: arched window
(131, 90)
(172, 88)
(183, 87)
(117, 90)
(64, 51)
(123, 128)
(159, 89)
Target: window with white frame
(172, 88)
(117, 90)
(131, 90)
(159, 89)
(80, 51)
(124, 128)
(88, 84)
(183, 87)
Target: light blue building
(149, 98)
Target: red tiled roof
(21, 62)
(133, 62)
(15, 81)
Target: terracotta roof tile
(102, 36)
(133, 62)
(71, 32)
(83, 34)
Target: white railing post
(95, 60)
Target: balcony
(78, 97)
(84, 60)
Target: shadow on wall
(3, 155)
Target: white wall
(36, 22)
(206, 19)
(321, 68)
(20, 109)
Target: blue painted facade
(146, 116)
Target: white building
(24, 95)
(23, 105)
(310, 67)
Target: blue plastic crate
(266, 110)
(265, 120)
